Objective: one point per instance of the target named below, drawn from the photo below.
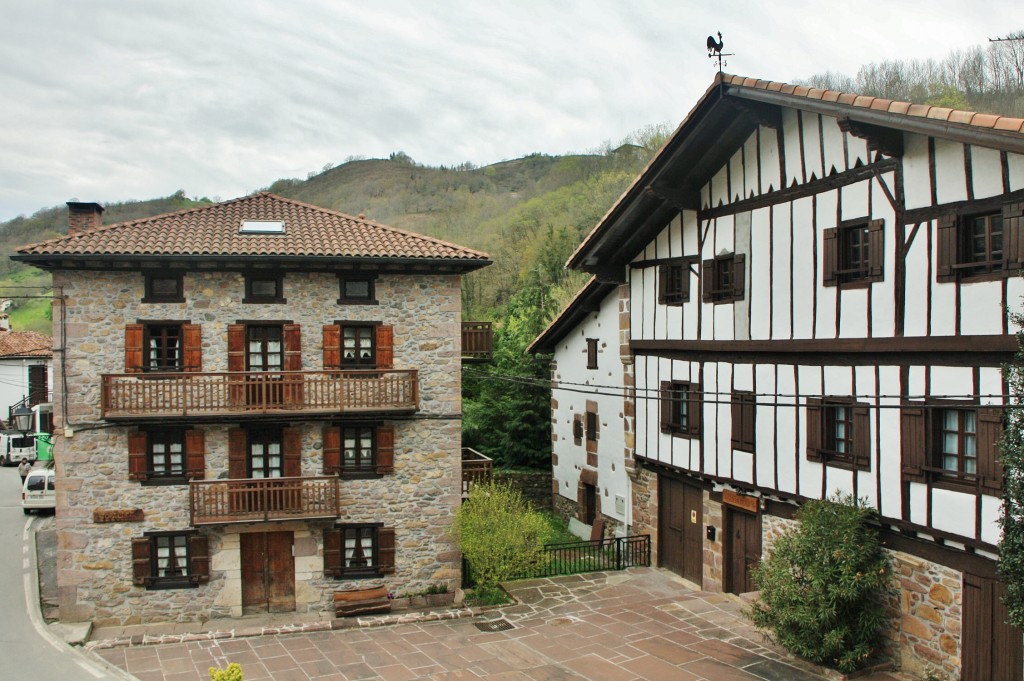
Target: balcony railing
(477, 340)
(215, 502)
(475, 468)
(191, 395)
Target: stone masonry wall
(535, 485)
(418, 500)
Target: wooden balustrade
(475, 468)
(188, 395)
(477, 340)
(261, 500)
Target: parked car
(15, 446)
(38, 491)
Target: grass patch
(33, 315)
(487, 595)
(557, 531)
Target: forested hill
(527, 213)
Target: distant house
(260, 405)
(25, 367)
(808, 291)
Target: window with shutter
(681, 406)
(724, 279)
(983, 241)
(170, 560)
(853, 253)
(743, 415)
(591, 353)
(839, 433)
(673, 283)
(577, 429)
(952, 445)
(358, 551)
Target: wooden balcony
(475, 468)
(282, 393)
(477, 341)
(216, 502)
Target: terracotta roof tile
(215, 230)
(970, 118)
(25, 344)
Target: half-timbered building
(814, 293)
(257, 404)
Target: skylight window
(262, 227)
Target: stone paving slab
(642, 624)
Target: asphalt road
(28, 650)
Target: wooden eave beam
(678, 197)
(885, 140)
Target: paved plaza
(643, 623)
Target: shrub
(823, 584)
(498, 533)
(233, 672)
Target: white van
(15, 446)
(38, 493)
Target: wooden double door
(681, 528)
(268, 572)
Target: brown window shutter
(386, 449)
(830, 257)
(292, 447)
(385, 346)
(142, 572)
(737, 421)
(332, 552)
(195, 454)
(386, 550)
(990, 431)
(914, 442)
(663, 275)
(665, 400)
(238, 442)
(694, 409)
(192, 344)
(332, 346)
(814, 409)
(138, 466)
(577, 429)
(133, 348)
(236, 347)
(199, 554)
(876, 249)
(1013, 237)
(292, 347)
(946, 243)
(739, 277)
(332, 450)
(861, 438)
(707, 281)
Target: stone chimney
(83, 216)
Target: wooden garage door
(268, 572)
(680, 528)
(992, 649)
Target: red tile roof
(309, 231)
(979, 120)
(25, 344)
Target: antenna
(1008, 39)
(715, 51)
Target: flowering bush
(233, 672)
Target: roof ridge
(976, 119)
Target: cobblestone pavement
(640, 624)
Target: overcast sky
(132, 99)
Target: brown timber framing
(811, 188)
(987, 350)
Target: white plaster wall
(918, 283)
(1015, 162)
(791, 145)
(857, 150)
(805, 276)
(759, 275)
(981, 309)
(950, 174)
(751, 185)
(987, 172)
(812, 147)
(736, 176)
(770, 178)
(604, 386)
(916, 181)
(835, 155)
(14, 381)
(826, 205)
(782, 265)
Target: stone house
(259, 404)
(813, 292)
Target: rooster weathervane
(715, 50)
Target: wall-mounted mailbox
(711, 533)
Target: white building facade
(814, 295)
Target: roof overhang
(586, 302)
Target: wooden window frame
(196, 568)
(379, 564)
(939, 454)
(382, 450)
(592, 426)
(674, 283)
(920, 434)
(153, 477)
(265, 435)
(149, 296)
(674, 393)
(369, 299)
(148, 329)
(592, 353)
(838, 269)
(277, 299)
(724, 278)
(953, 237)
(357, 364)
(822, 419)
(744, 421)
(577, 429)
